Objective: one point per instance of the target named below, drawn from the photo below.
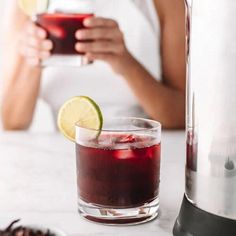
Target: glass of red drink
(118, 171)
(61, 20)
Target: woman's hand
(33, 44)
(105, 42)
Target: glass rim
(157, 125)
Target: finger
(100, 56)
(37, 31)
(99, 47)
(37, 61)
(44, 55)
(100, 22)
(29, 52)
(32, 53)
(33, 61)
(44, 45)
(99, 33)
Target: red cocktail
(61, 30)
(119, 172)
(126, 177)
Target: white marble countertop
(38, 185)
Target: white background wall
(42, 118)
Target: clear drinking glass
(118, 171)
(61, 19)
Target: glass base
(115, 216)
(66, 60)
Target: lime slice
(32, 7)
(81, 110)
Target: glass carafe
(61, 19)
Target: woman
(140, 69)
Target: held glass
(61, 20)
(118, 171)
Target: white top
(140, 25)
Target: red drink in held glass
(61, 30)
(61, 19)
(118, 173)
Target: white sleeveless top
(140, 25)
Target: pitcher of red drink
(61, 19)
